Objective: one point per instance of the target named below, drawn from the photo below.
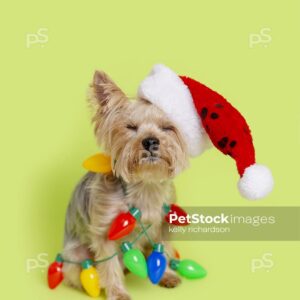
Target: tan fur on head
(121, 125)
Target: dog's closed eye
(168, 128)
(132, 127)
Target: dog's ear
(105, 93)
(107, 101)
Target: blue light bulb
(156, 264)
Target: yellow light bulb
(90, 279)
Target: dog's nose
(150, 143)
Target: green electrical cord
(144, 230)
(96, 262)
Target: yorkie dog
(147, 151)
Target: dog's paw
(121, 295)
(170, 280)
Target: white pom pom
(256, 182)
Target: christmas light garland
(134, 260)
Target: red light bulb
(55, 274)
(123, 224)
(177, 210)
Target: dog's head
(143, 142)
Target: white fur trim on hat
(256, 182)
(164, 88)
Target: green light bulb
(188, 268)
(134, 260)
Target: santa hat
(202, 115)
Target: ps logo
(40, 262)
(40, 38)
(262, 38)
(265, 263)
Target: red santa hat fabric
(203, 116)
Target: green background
(46, 131)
